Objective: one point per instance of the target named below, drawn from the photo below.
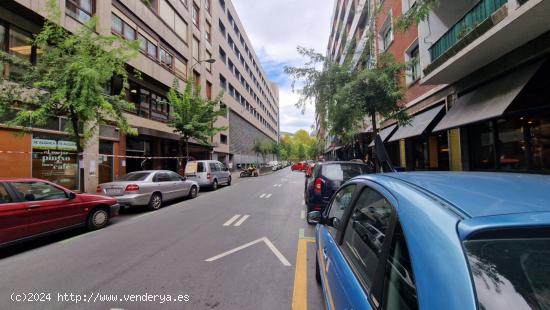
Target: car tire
(229, 181)
(215, 185)
(308, 209)
(193, 192)
(97, 219)
(317, 270)
(155, 202)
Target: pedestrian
(230, 165)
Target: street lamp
(210, 61)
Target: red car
(301, 166)
(31, 208)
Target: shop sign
(47, 144)
(56, 163)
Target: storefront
(505, 123)
(55, 158)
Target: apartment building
(177, 38)
(478, 94)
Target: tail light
(318, 185)
(208, 175)
(132, 188)
(98, 189)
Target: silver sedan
(149, 188)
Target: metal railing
(479, 13)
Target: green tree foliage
(315, 149)
(69, 79)
(193, 116)
(344, 96)
(417, 13)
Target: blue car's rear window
(511, 273)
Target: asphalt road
(235, 248)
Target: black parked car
(326, 178)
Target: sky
(275, 28)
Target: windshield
(511, 273)
(135, 176)
(340, 172)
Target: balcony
(468, 35)
(474, 23)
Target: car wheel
(155, 202)
(98, 219)
(317, 269)
(307, 212)
(193, 192)
(215, 185)
(229, 181)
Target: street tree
(69, 79)
(193, 116)
(301, 153)
(416, 13)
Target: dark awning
(489, 100)
(384, 134)
(418, 124)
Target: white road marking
(262, 195)
(270, 245)
(268, 195)
(231, 220)
(241, 220)
(303, 214)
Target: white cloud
(276, 28)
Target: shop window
(54, 158)
(105, 162)
(81, 10)
(420, 153)
(511, 144)
(482, 146)
(539, 131)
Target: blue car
(325, 178)
(436, 240)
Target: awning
(384, 134)
(418, 124)
(488, 101)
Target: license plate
(113, 191)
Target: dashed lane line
(231, 220)
(242, 220)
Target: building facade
(176, 37)
(478, 94)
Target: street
(182, 249)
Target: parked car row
(278, 165)
(431, 240)
(31, 208)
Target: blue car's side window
(399, 289)
(365, 233)
(339, 204)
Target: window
(223, 56)
(223, 82)
(146, 46)
(184, 2)
(162, 177)
(213, 167)
(144, 103)
(180, 68)
(122, 28)
(174, 176)
(159, 108)
(208, 90)
(408, 4)
(54, 159)
(208, 64)
(196, 48)
(196, 78)
(166, 58)
(365, 233)
(4, 195)
(208, 32)
(223, 139)
(222, 4)
(105, 163)
(181, 28)
(399, 287)
(386, 33)
(81, 10)
(38, 191)
(195, 15)
(207, 6)
(411, 55)
(221, 27)
(338, 206)
(20, 46)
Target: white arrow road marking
(270, 245)
(241, 220)
(231, 220)
(268, 195)
(262, 195)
